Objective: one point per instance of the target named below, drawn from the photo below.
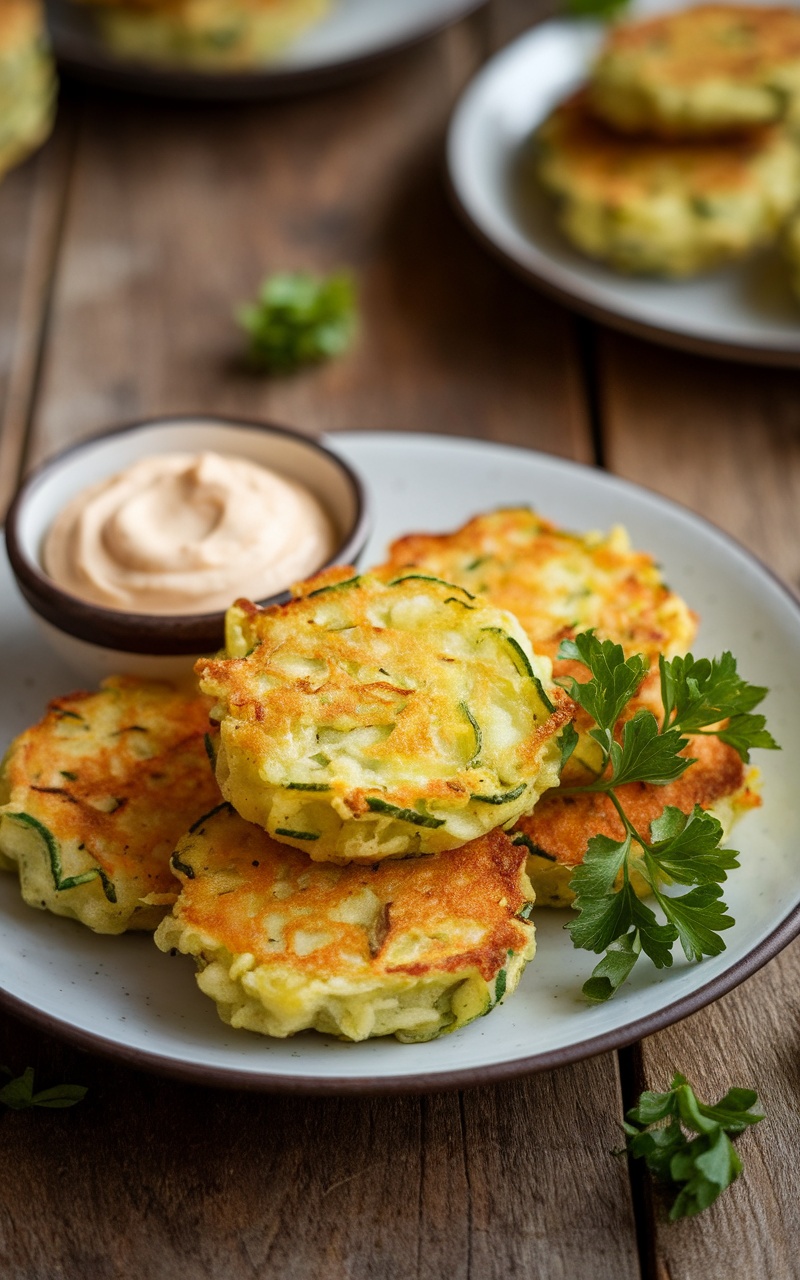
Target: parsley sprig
(700, 696)
(17, 1093)
(605, 10)
(685, 1143)
(298, 319)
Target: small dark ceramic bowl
(97, 641)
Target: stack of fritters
(558, 584)
(27, 81)
(386, 728)
(206, 35)
(679, 154)
(362, 863)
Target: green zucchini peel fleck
(523, 661)
(204, 817)
(520, 838)
(406, 815)
(504, 797)
(335, 586)
(429, 577)
(476, 729)
(54, 853)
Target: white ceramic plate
(745, 311)
(351, 36)
(123, 997)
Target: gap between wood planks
(39, 249)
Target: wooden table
(125, 245)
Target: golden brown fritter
(654, 207)
(371, 719)
(206, 35)
(559, 829)
(27, 81)
(414, 948)
(97, 794)
(699, 71)
(557, 583)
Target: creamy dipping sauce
(187, 533)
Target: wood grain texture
(31, 203)
(177, 213)
(720, 437)
(153, 1180)
(174, 214)
(724, 439)
(749, 1038)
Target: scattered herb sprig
(299, 319)
(700, 696)
(605, 10)
(17, 1092)
(686, 1143)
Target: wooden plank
(176, 214)
(31, 202)
(723, 439)
(720, 437)
(151, 1178)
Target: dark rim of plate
(84, 56)
(162, 635)
(785, 931)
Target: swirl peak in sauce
(187, 533)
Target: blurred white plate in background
(745, 311)
(353, 34)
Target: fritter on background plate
(370, 719)
(28, 84)
(411, 948)
(699, 71)
(651, 207)
(95, 797)
(204, 35)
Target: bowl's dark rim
(784, 932)
(560, 289)
(154, 633)
(242, 86)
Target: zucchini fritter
(370, 719)
(699, 71)
(96, 795)
(205, 35)
(557, 583)
(558, 831)
(27, 81)
(653, 207)
(412, 948)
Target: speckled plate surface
(742, 312)
(122, 997)
(355, 34)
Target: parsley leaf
(699, 692)
(298, 319)
(700, 696)
(604, 9)
(647, 755)
(685, 1143)
(614, 681)
(17, 1093)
